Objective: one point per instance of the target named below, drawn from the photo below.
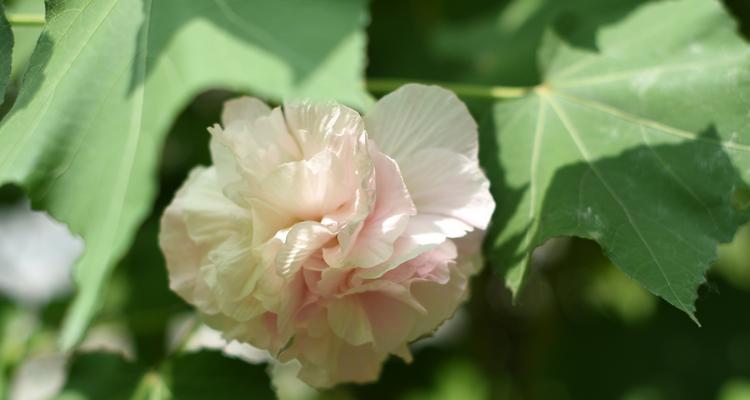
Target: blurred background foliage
(581, 330)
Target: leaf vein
(573, 133)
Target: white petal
(451, 188)
(302, 240)
(246, 109)
(416, 117)
(391, 320)
(198, 218)
(310, 189)
(247, 151)
(316, 127)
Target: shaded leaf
(635, 146)
(6, 48)
(201, 375)
(107, 78)
(209, 374)
(101, 376)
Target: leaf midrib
(647, 122)
(574, 135)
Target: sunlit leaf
(639, 146)
(107, 78)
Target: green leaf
(639, 146)
(107, 78)
(209, 374)
(101, 376)
(201, 375)
(6, 48)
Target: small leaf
(107, 78)
(639, 146)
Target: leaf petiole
(377, 85)
(25, 19)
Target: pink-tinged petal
(417, 117)
(310, 189)
(390, 320)
(260, 331)
(244, 109)
(434, 265)
(343, 363)
(395, 290)
(302, 240)
(292, 299)
(420, 236)
(307, 241)
(440, 299)
(348, 320)
(327, 360)
(330, 280)
(387, 221)
(198, 218)
(449, 186)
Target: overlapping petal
(330, 239)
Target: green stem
(25, 19)
(461, 89)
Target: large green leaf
(107, 78)
(201, 375)
(640, 146)
(6, 47)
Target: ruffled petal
(387, 221)
(451, 189)
(327, 360)
(441, 299)
(311, 189)
(246, 151)
(391, 320)
(348, 320)
(243, 109)
(198, 219)
(419, 237)
(327, 126)
(302, 240)
(416, 117)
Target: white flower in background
(329, 238)
(36, 255)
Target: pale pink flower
(329, 238)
